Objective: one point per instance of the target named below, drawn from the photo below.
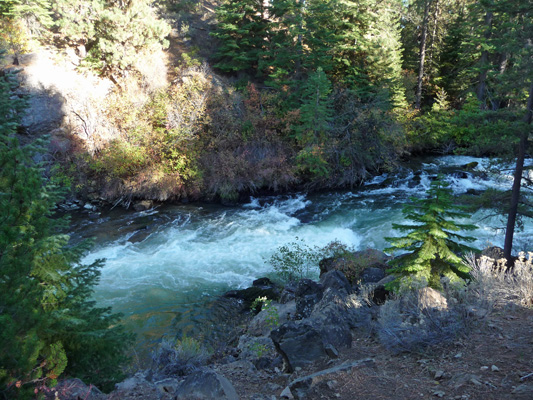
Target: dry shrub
(245, 149)
(404, 326)
(179, 359)
(153, 71)
(496, 287)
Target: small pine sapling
(432, 243)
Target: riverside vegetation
(289, 95)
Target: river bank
(332, 339)
(165, 265)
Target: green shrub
(295, 260)
(264, 304)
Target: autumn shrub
(244, 145)
(157, 146)
(13, 36)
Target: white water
(194, 253)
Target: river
(165, 266)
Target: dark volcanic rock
(326, 328)
(307, 294)
(372, 275)
(335, 280)
(353, 264)
(288, 293)
(299, 343)
(206, 384)
(250, 294)
(493, 252)
(74, 389)
(263, 282)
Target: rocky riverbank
(317, 339)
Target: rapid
(164, 267)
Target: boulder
(307, 294)
(432, 299)
(248, 295)
(380, 293)
(252, 348)
(168, 385)
(371, 258)
(474, 192)
(26, 59)
(206, 384)
(263, 283)
(372, 275)
(493, 252)
(337, 314)
(470, 165)
(263, 322)
(288, 293)
(143, 205)
(299, 343)
(335, 280)
(352, 264)
(323, 332)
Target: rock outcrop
(327, 314)
(206, 384)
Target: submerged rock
(143, 205)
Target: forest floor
(491, 361)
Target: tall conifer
(49, 324)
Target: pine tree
(315, 117)
(114, 32)
(432, 243)
(32, 11)
(49, 324)
(241, 30)
(283, 57)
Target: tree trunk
(482, 86)
(509, 233)
(418, 95)
(498, 103)
(434, 33)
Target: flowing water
(164, 267)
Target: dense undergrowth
(246, 102)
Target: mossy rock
(353, 264)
